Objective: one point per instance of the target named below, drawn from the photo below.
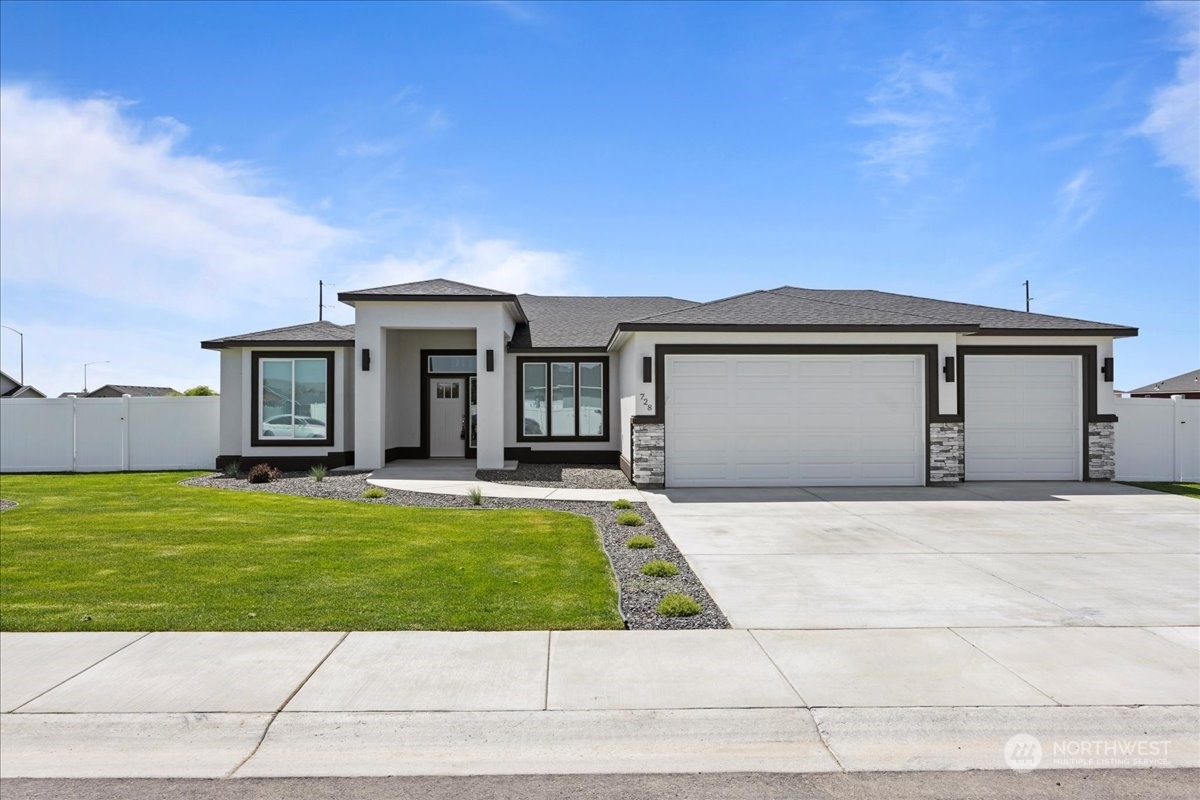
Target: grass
(659, 568)
(621, 503)
(374, 493)
(641, 542)
(1185, 489)
(631, 518)
(318, 472)
(141, 552)
(475, 495)
(679, 605)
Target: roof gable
(434, 289)
(310, 333)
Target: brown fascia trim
(552, 350)
(630, 327)
(228, 344)
(1116, 333)
(351, 297)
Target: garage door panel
(1023, 419)
(799, 420)
(699, 368)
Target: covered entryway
(795, 420)
(1023, 417)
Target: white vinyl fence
(1158, 439)
(108, 434)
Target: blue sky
(174, 172)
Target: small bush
(641, 542)
(659, 569)
(476, 495)
(318, 472)
(678, 605)
(374, 493)
(232, 469)
(263, 473)
(631, 518)
(622, 503)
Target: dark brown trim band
(549, 359)
(1116, 333)
(630, 327)
(531, 456)
(330, 399)
(224, 344)
(1088, 376)
(289, 463)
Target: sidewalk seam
(77, 674)
(283, 705)
(1008, 669)
(546, 693)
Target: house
(785, 387)
(1187, 384)
(10, 387)
(119, 390)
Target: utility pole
(321, 299)
(1027, 297)
(18, 333)
(85, 366)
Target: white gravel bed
(560, 476)
(5, 505)
(639, 594)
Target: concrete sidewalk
(457, 476)
(412, 703)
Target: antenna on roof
(1027, 297)
(321, 299)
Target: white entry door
(446, 399)
(795, 420)
(1023, 418)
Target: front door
(446, 429)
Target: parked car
(284, 425)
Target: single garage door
(795, 420)
(1023, 418)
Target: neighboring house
(781, 387)
(1187, 384)
(117, 390)
(10, 387)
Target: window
(447, 391)
(562, 399)
(292, 403)
(457, 365)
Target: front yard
(140, 552)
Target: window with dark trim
(562, 398)
(291, 403)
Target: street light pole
(85, 366)
(18, 333)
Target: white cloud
(1078, 200)
(106, 218)
(916, 109)
(1173, 123)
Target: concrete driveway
(975, 555)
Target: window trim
(256, 437)
(548, 359)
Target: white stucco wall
(402, 411)
(235, 403)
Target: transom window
(562, 398)
(458, 365)
(292, 399)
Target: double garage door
(825, 420)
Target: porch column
(369, 390)
(490, 385)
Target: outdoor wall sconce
(948, 370)
(491, 360)
(366, 360)
(647, 369)
(1107, 370)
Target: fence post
(74, 433)
(125, 432)
(1176, 450)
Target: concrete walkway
(434, 703)
(457, 476)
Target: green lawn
(1185, 489)
(140, 552)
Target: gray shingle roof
(789, 306)
(437, 288)
(323, 332)
(136, 391)
(584, 322)
(1180, 384)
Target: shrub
(476, 495)
(263, 473)
(659, 569)
(374, 493)
(622, 503)
(631, 518)
(678, 605)
(318, 472)
(641, 542)
(232, 469)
